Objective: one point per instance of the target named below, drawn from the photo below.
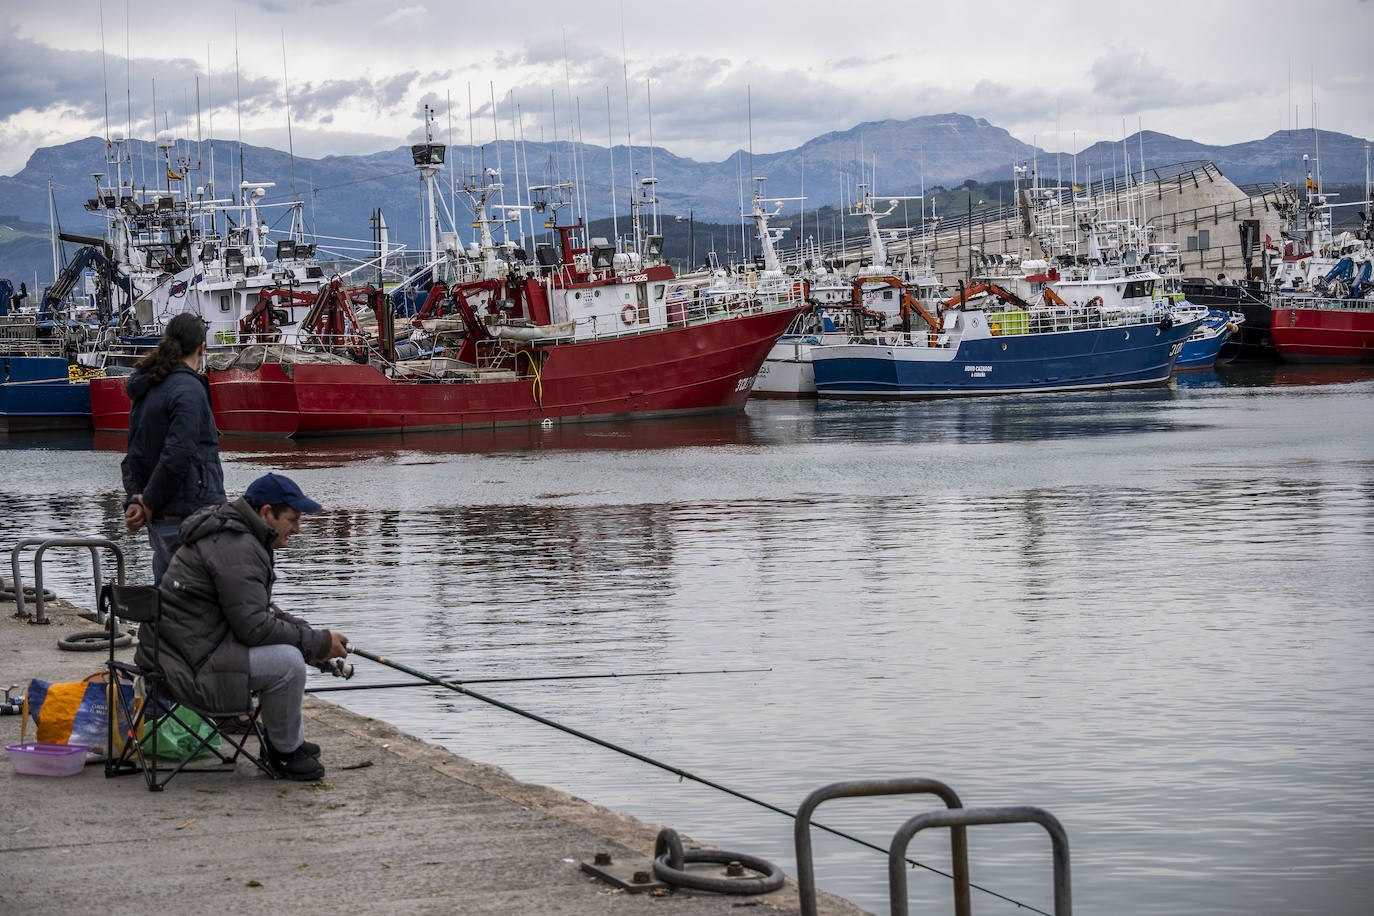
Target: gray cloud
(1131, 82)
(38, 78)
(290, 6)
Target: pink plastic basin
(37, 759)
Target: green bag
(175, 740)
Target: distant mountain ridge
(340, 192)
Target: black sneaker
(297, 765)
(310, 747)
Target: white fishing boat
(881, 296)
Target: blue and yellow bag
(75, 712)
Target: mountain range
(340, 192)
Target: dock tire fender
(1166, 323)
(630, 314)
(670, 859)
(92, 641)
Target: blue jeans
(162, 535)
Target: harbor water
(1147, 612)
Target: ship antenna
(610, 143)
(653, 185)
(210, 111)
(200, 138)
(452, 190)
(286, 96)
(523, 158)
(496, 138)
(581, 159)
(104, 74)
(629, 144)
(238, 93)
(579, 192)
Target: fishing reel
(12, 706)
(337, 667)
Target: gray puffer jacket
(216, 603)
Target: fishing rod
(521, 680)
(680, 773)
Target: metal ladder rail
(958, 819)
(806, 873)
(43, 544)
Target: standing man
(172, 467)
(222, 639)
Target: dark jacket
(173, 454)
(216, 602)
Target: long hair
(184, 335)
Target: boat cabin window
(224, 303)
(658, 292)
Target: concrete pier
(398, 825)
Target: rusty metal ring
(670, 858)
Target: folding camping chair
(132, 723)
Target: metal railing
(958, 819)
(1324, 304)
(44, 544)
(806, 872)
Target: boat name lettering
(1175, 350)
(638, 278)
(977, 371)
(745, 384)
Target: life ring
(629, 314)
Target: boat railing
(1322, 303)
(19, 337)
(699, 307)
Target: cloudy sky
(358, 73)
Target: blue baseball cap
(272, 489)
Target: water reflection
(1288, 375)
(679, 432)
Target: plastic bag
(75, 712)
(179, 732)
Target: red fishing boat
(1310, 329)
(628, 345)
(579, 332)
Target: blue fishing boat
(985, 352)
(1200, 350)
(41, 393)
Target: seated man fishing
(222, 638)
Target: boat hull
(1324, 334)
(1115, 357)
(695, 369)
(109, 404)
(787, 372)
(36, 393)
(1253, 342)
(1202, 353)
